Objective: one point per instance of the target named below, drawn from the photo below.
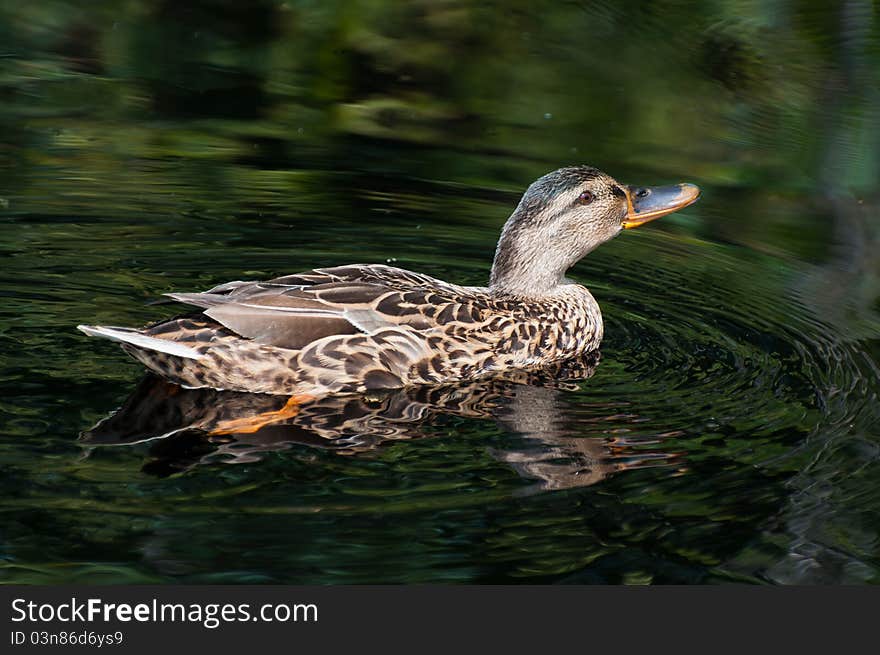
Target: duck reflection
(190, 427)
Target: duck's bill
(645, 203)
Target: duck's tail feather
(203, 300)
(138, 339)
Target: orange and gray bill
(645, 203)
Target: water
(729, 431)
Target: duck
(359, 328)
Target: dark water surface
(730, 432)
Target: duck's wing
(296, 310)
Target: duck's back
(356, 328)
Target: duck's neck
(525, 267)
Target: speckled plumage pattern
(365, 327)
(387, 328)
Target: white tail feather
(135, 338)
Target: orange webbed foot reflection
(555, 448)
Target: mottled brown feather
(359, 327)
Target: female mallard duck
(369, 326)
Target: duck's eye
(585, 198)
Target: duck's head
(566, 214)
